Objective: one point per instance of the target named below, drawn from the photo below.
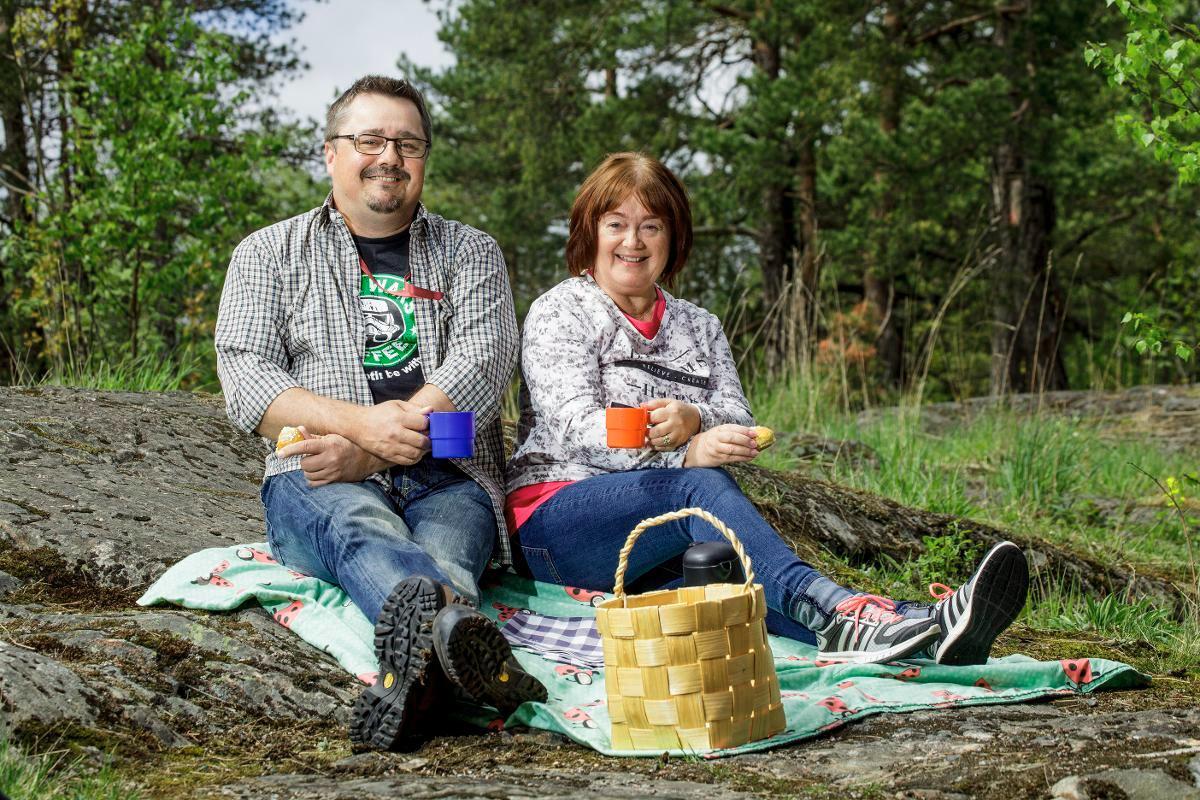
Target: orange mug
(626, 426)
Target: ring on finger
(665, 441)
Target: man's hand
(394, 431)
(672, 423)
(332, 459)
(724, 444)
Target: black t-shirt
(392, 362)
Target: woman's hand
(332, 458)
(724, 444)
(672, 423)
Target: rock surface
(121, 485)
(104, 490)
(1169, 416)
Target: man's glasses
(372, 144)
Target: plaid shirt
(290, 317)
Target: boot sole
(475, 658)
(384, 715)
(997, 598)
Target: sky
(345, 39)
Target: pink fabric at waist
(521, 503)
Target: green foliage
(1136, 620)
(160, 171)
(858, 142)
(1160, 68)
(949, 559)
(911, 474)
(896, 126)
(55, 776)
(1149, 339)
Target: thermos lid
(712, 562)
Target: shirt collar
(589, 278)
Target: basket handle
(722, 528)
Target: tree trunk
(808, 261)
(14, 158)
(1028, 302)
(788, 234)
(15, 175)
(777, 233)
(1027, 296)
(878, 284)
(135, 311)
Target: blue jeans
(574, 537)
(432, 521)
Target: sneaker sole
(476, 658)
(997, 597)
(899, 651)
(383, 715)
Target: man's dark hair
(376, 84)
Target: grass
(147, 373)
(55, 775)
(1147, 636)
(1042, 475)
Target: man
(353, 321)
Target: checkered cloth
(569, 640)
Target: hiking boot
(865, 629)
(477, 659)
(385, 714)
(973, 616)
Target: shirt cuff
(669, 460)
(707, 418)
(247, 408)
(464, 388)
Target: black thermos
(711, 562)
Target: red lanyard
(410, 289)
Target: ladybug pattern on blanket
(818, 694)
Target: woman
(609, 335)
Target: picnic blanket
(554, 639)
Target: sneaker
(477, 659)
(385, 714)
(866, 630)
(973, 616)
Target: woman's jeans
(574, 537)
(432, 521)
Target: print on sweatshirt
(580, 355)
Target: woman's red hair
(619, 177)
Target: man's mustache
(379, 172)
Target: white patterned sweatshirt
(580, 354)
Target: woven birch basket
(688, 668)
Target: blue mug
(452, 434)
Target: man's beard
(391, 203)
(386, 205)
